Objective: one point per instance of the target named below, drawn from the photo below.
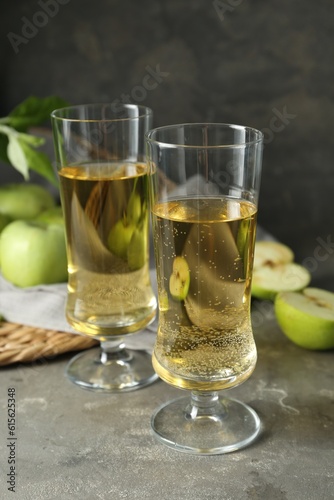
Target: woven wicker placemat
(20, 343)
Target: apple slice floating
(119, 238)
(307, 317)
(274, 271)
(179, 280)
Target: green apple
(52, 215)
(269, 280)
(307, 317)
(271, 252)
(274, 271)
(4, 220)
(33, 253)
(119, 238)
(179, 280)
(24, 200)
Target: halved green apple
(271, 279)
(307, 317)
(179, 280)
(271, 252)
(274, 271)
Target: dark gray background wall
(266, 64)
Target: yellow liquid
(205, 342)
(108, 294)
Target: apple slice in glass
(179, 280)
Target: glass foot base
(122, 371)
(210, 428)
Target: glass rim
(259, 139)
(144, 111)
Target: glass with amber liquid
(204, 184)
(104, 195)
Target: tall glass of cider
(204, 185)
(100, 155)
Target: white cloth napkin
(43, 306)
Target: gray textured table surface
(73, 443)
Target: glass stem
(204, 404)
(113, 350)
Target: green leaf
(16, 156)
(7, 130)
(34, 111)
(39, 162)
(17, 147)
(33, 140)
